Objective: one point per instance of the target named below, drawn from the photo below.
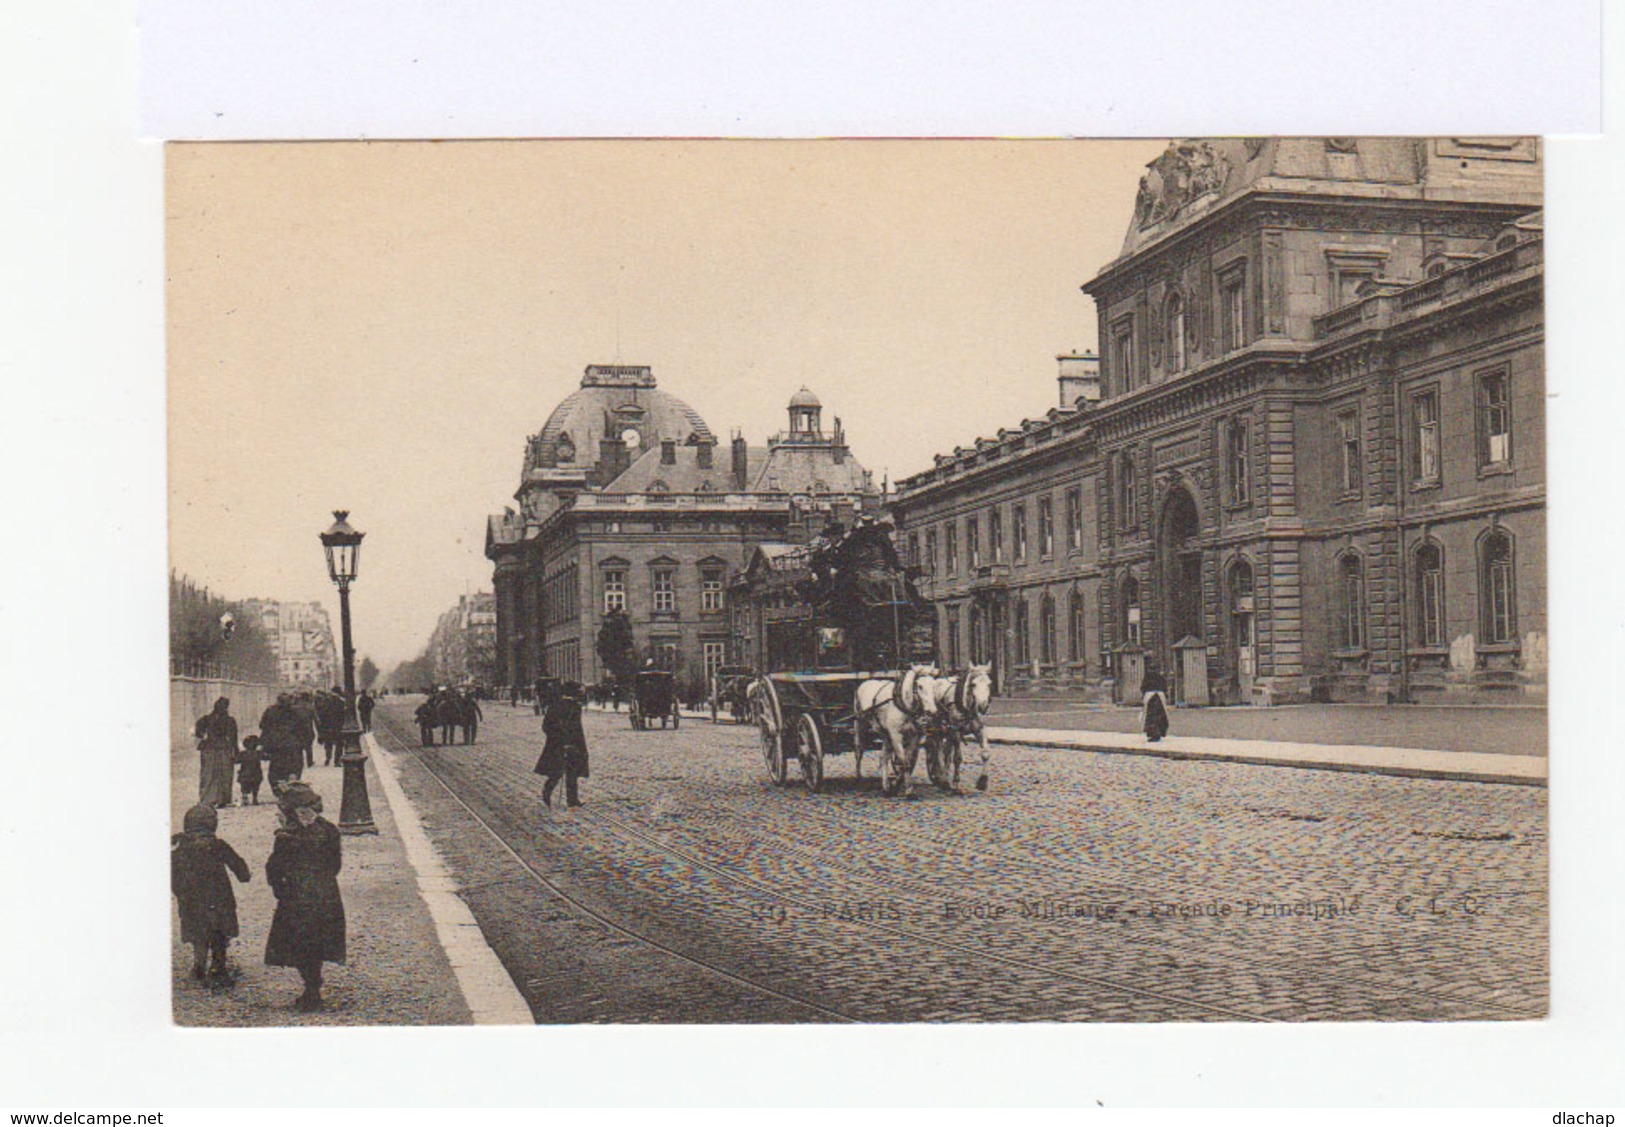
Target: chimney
(612, 459)
(741, 464)
(1079, 379)
(702, 453)
(668, 451)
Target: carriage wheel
(811, 751)
(765, 712)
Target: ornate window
(1430, 594)
(1076, 626)
(973, 546)
(1074, 520)
(931, 551)
(1494, 419)
(1018, 522)
(911, 552)
(950, 534)
(1497, 587)
(1046, 527)
(1425, 460)
(664, 585)
(1351, 468)
(1128, 494)
(1124, 361)
(950, 628)
(1019, 627)
(1175, 320)
(715, 655)
(614, 589)
(1131, 611)
(995, 534)
(711, 588)
(1233, 307)
(1238, 455)
(1046, 630)
(1351, 602)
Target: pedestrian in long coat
(217, 751)
(330, 724)
(198, 865)
(308, 927)
(363, 706)
(283, 741)
(304, 707)
(564, 750)
(1154, 704)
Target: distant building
(301, 638)
(625, 501)
(463, 646)
(1310, 461)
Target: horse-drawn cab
(730, 692)
(654, 696)
(847, 645)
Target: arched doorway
(1181, 569)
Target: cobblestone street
(1080, 887)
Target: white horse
(962, 703)
(900, 708)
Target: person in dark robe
(198, 866)
(564, 750)
(330, 724)
(307, 929)
(364, 705)
(249, 773)
(304, 707)
(283, 743)
(217, 751)
(1154, 704)
(472, 715)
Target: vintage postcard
(858, 581)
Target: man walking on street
(280, 736)
(330, 724)
(305, 708)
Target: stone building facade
(628, 501)
(1317, 456)
(301, 638)
(463, 646)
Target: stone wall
(192, 697)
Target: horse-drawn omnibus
(845, 644)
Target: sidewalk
(398, 971)
(1471, 766)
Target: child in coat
(249, 773)
(198, 863)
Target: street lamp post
(343, 547)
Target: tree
(413, 675)
(368, 673)
(615, 646)
(210, 637)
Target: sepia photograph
(857, 581)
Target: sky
(379, 326)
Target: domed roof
(804, 398)
(610, 402)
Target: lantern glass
(343, 547)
